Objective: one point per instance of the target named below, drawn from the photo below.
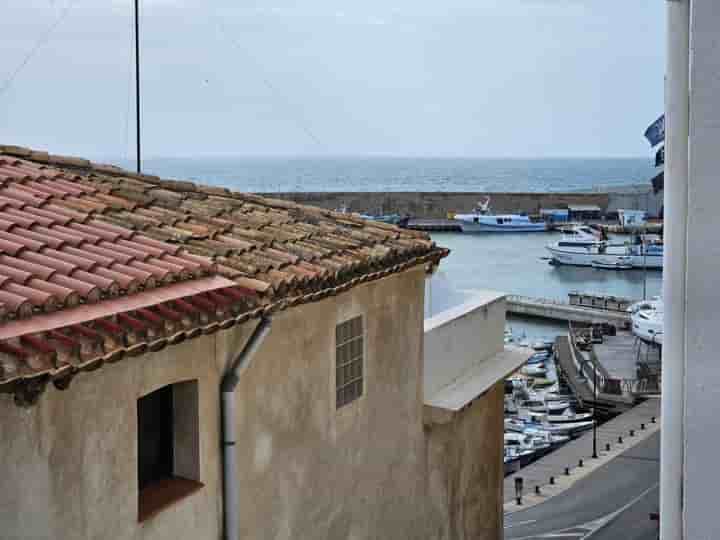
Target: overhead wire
(296, 115)
(42, 40)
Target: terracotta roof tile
(73, 232)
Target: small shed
(555, 215)
(632, 218)
(579, 212)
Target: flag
(658, 183)
(660, 157)
(655, 133)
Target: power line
(42, 40)
(280, 98)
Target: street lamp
(595, 454)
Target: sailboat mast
(137, 85)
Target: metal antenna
(137, 84)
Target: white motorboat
(508, 337)
(647, 320)
(483, 220)
(525, 441)
(609, 256)
(567, 416)
(581, 235)
(534, 370)
(544, 406)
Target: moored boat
(483, 220)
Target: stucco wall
(305, 470)
(69, 469)
(309, 471)
(466, 470)
(460, 337)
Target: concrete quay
(538, 474)
(552, 309)
(437, 204)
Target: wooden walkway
(569, 455)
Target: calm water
(403, 174)
(513, 264)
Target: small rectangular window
(168, 447)
(349, 351)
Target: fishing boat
(642, 254)
(482, 219)
(647, 320)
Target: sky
(476, 78)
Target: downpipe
(230, 380)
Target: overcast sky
(487, 78)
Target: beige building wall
(466, 469)
(69, 463)
(306, 470)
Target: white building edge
(691, 372)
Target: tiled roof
(74, 233)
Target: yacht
(483, 220)
(581, 235)
(647, 320)
(641, 253)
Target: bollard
(632, 432)
(518, 490)
(620, 439)
(552, 480)
(567, 471)
(607, 447)
(580, 463)
(652, 420)
(537, 490)
(642, 427)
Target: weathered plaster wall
(309, 471)
(305, 470)
(459, 338)
(466, 470)
(438, 204)
(69, 470)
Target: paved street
(621, 493)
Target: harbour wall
(438, 204)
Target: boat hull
(469, 227)
(619, 259)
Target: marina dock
(639, 419)
(553, 309)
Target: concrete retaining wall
(438, 204)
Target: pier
(434, 225)
(554, 309)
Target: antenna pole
(137, 84)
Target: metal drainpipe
(227, 389)
(672, 436)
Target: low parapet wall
(438, 204)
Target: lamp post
(137, 86)
(595, 454)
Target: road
(622, 493)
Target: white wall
(702, 335)
(460, 337)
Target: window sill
(158, 496)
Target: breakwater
(434, 205)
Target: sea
(279, 174)
(514, 264)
